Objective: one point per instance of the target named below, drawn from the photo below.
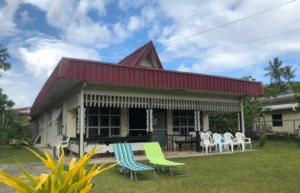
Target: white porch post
(242, 117)
(239, 121)
(197, 126)
(45, 128)
(81, 119)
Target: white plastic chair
(232, 141)
(65, 145)
(207, 141)
(217, 137)
(193, 134)
(241, 138)
(209, 132)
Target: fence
(289, 126)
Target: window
(59, 125)
(58, 118)
(183, 121)
(103, 122)
(277, 120)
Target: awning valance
(159, 103)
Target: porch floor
(167, 154)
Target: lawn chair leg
(181, 175)
(145, 181)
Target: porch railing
(110, 140)
(174, 138)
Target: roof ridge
(145, 45)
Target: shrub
(16, 143)
(59, 180)
(262, 134)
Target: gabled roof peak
(137, 57)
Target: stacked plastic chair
(232, 143)
(220, 142)
(207, 141)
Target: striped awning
(159, 103)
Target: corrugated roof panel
(82, 70)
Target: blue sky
(38, 33)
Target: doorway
(137, 122)
(159, 126)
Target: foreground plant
(58, 180)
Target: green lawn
(275, 168)
(11, 156)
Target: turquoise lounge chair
(124, 155)
(156, 157)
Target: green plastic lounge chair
(155, 156)
(124, 154)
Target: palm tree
(289, 74)
(275, 71)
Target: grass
(275, 168)
(22, 155)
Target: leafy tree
(228, 122)
(3, 56)
(289, 74)
(296, 90)
(270, 92)
(275, 71)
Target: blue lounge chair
(124, 155)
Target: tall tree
(289, 73)
(275, 71)
(3, 56)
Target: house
(25, 111)
(136, 99)
(285, 115)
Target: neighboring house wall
(287, 124)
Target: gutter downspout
(294, 107)
(82, 118)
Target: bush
(16, 143)
(58, 180)
(262, 134)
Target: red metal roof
(136, 57)
(124, 73)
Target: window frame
(278, 121)
(187, 116)
(59, 124)
(99, 127)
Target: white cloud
(190, 17)
(120, 32)
(43, 5)
(135, 23)
(126, 4)
(17, 88)
(24, 16)
(7, 24)
(87, 34)
(42, 55)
